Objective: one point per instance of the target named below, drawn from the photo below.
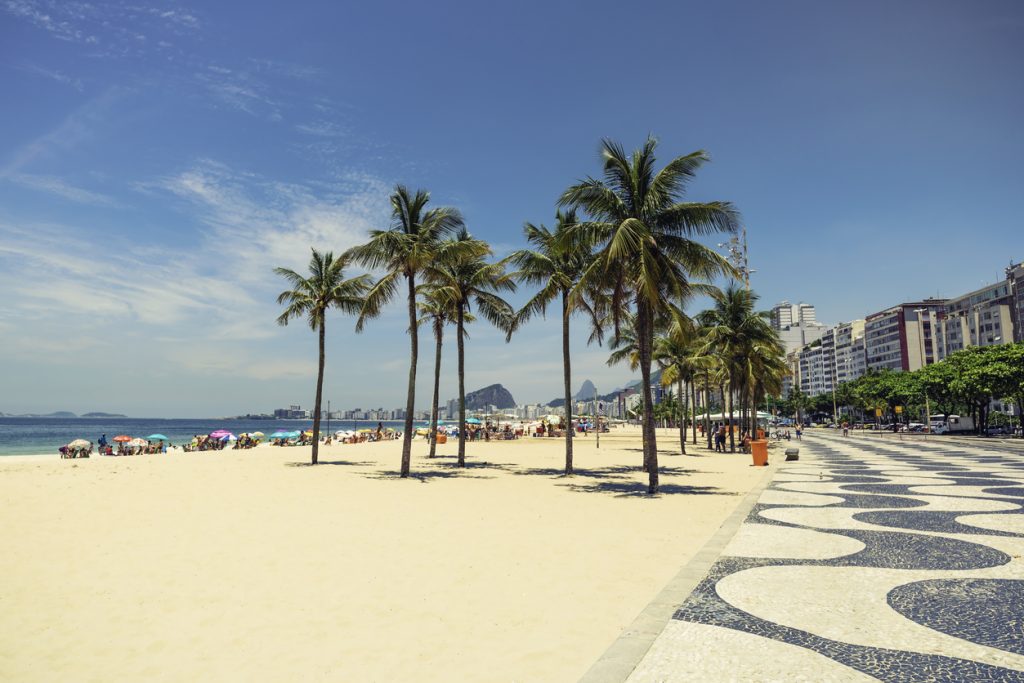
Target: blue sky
(157, 160)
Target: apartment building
(1015, 280)
(905, 336)
(817, 365)
(850, 354)
(785, 314)
(983, 317)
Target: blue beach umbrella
(472, 421)
(279, 435)
(157, 437)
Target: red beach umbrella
(122, 438)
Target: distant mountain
(587, 392)
(61, 414)
(104, 415)
(495, 395)
(559, 402)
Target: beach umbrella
(220, 433)
(79, 443)
(157, 437)
(472, 421)
(137, 442)
(293, 435)
(228, 437)
(258, 435)
(279, 435)
(122, 438)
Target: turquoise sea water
(37, 435)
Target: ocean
(40, 435)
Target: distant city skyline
(157, 162)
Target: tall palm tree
(646, 255)
(311, 297)
(437, 311)
(403, 251)
(556, 262)
(463, 276)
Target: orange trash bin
(442, 438)
(759, 451)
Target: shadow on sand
(344, 463)
(442, 470)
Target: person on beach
(102, 442)
(799, 431)
(380, 430)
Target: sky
(158, 160)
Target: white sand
(242, 566)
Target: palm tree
(673, 351)
(462, 276)
(646, 256)
(403, 251)
(310, 297)
(438, 311)
(733, 331)
(556, 262)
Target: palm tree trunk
(460, 320)
(732, 432)
(645, 340)
(682, 417)
(693, 395)
(567, 380)
(707, 408)
(438, 335)
(410, 399)
(319, 396)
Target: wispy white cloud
(55, 75)
(60, 188)
(111, 28)
(206, 305)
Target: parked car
(998, 431)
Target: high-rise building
(817, 365)
(906, 336)
(983, 317)
(850, 357)
(1015, 278)
(784, 314)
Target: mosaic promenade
(867, 559)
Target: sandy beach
(249, 565)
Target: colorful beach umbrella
(258, 435)
(472, 421)
(279, 435)
(219, 434)
(157, 437)
(122, 438)
(79, 443)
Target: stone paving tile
(867, 559)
